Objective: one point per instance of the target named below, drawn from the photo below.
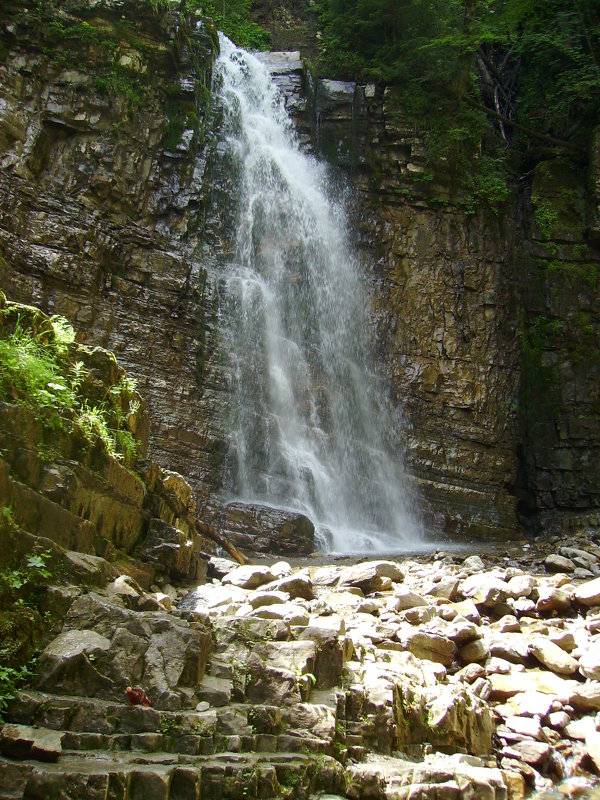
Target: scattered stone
(558, 719)
(370, 576)
(446, 588)
(588, 594)
(248, 576)
(260, 598)
(485, 590)
(552, 656)
(592, 746)
(558, 563)
(552, 599)
(473, 651)
(404, 599)
(586, 697)
(536, 754)
(520, 586)
(298, 586)
(589, 662)
(581, 728)
(219, 567)
(473, 563)
(528, 726)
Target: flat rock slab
(22, 741)
(552, 656)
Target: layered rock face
(444, 297)
(485, 324)
(101, 133)
(560, 395)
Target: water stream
(310, 429)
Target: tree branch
(542, 137)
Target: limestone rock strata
(103, 109)
(486, 323)
(444, 303)
(66, 488)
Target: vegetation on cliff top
(531, 68)
(533, 65)
(233, 18)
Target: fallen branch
(212, 533)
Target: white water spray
(309, 430)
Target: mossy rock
(558, 198)
(20, 633)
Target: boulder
(558, 563)
(174, 552)
(371, 576)
(589, 662)
(588, 594)
(485, 589)
(534, 753)
(448, 715)
(552, 656)
(430, 645)
(248, 577)
(261, 529)
(551, 598)
(404, 599)
(297, 586)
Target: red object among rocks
(137, 696)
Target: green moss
(546, 217)
(116, 81)
(540, 386)
(585, 272)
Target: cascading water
(309, 429)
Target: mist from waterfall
(310, 429)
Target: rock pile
(434, 677)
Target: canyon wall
(103, 117)
(486, 321)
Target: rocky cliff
(110, 213)
(485, 317)
(102, 129)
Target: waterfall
(309, 426)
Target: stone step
(163, 776)
(87, 724)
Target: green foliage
(546, 216)
(35, 371)
(488, 186)
(31, 370)
(158, 5)
(540, 56)
(558, 42)
(115, 80)
(233, 18)
(11, 679)
(22, 585)
(18, 586)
